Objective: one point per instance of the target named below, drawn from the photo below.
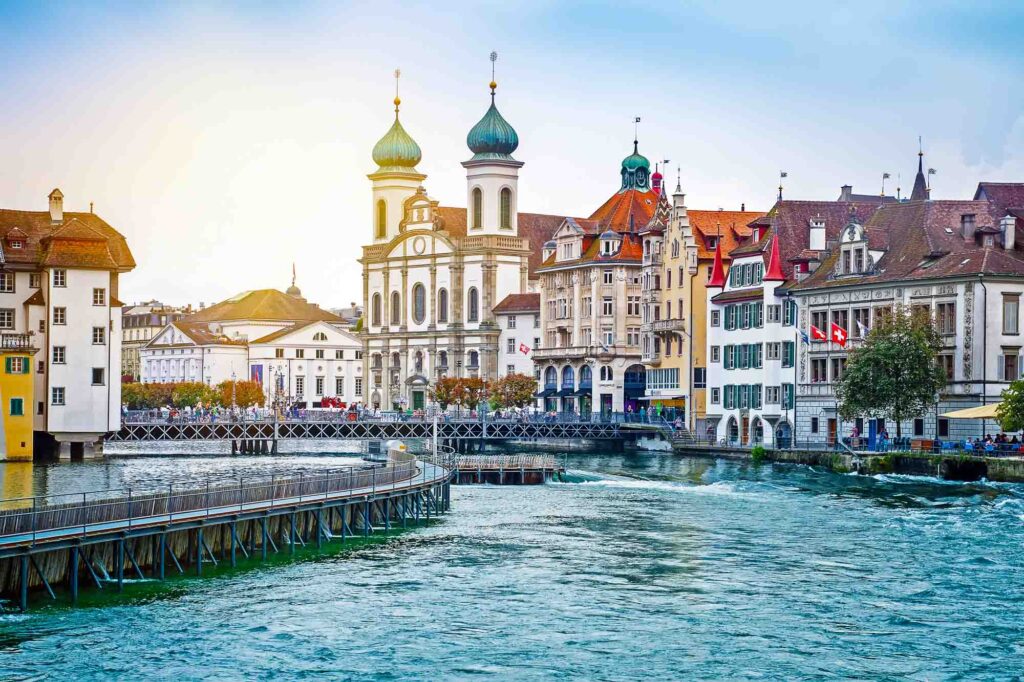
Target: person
(643, 414)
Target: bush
(758, 454)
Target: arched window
(382, 219)
(474, 359)
(506, 208)
(442, 305)
(473, 305)
(478, 208)
(378, 361)
(319, 336)
(419, 303)
(396, 308)
(550, 377)
(586, 377)
(442, 360)
(568, 377)
(418, 361)
(375, 311)
(396, 360)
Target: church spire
(920, 191)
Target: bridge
(100, 536)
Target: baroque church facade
(433, 275)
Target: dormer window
(17, 244)
(853, 257)
(712, 242)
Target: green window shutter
(26, 365)
(7, 364)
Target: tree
(1010, 412)
(191, 393)
(246, 393)
(445, 392)
(472, 389)
(895, 374)
(513, 390)
(134, 396)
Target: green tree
(246, 393)
(895, 374)
(1010, 412)
(445, 392)
(472, 389)
(513, 390)
(190, 393)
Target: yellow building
(16, 396)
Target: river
(642, 566)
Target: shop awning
(583, 391)
(546, 393)
(662, 397)
(979, 412)
(566, 393)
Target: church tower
(492, 175)
(396, 178)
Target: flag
(886, 176)
(783, 174)
(256, 374)
(803, 336)
(817, 334)
(862, 329)
(524, 349)
(838, 334)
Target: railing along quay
(57, 539)
(508, 469)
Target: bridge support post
(319, 527)
(234, 446)
(23, 600)
(162, 542)
(120, 564)
(233, 542)
(73, 574)
(387, 514)
(291, 533)
(263, 541)
(199, 551)
(366, 519)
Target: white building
(59, 284)
(433, 275)
(297, 351)
(139, 323)
(518, 319)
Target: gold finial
(494, 84)
(398, 100)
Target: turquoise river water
(643, 566)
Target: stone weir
(50, 545)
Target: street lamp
(234, 405)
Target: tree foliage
(191, 393)
(246, 394)
(513, 390)
(458, 391)
(445, 392)
(1010, 412)
(472, 391)
(147, 396)
(895, 374)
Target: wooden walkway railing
(508, 462)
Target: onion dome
(492, 137)
(550, 244)
(397, 150)
(636, 171)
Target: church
(433, 275)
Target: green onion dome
(397, 150)
(636, 171)
(492, 137)
(635, 160)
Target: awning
(566, 393)
(546, 393)
(662, 397)
(583, 391)
(980, 412)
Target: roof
(202, 336)
(925, 241)
(626, 210)
(739, 295)
(262, 304)
(1002, 195)
(536, 228)
(630, 250)
(518, 303)
(731, 226)
(80, 240)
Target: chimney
(56, 206)
(845, 192)
(816, 239)
(1009, 227)
(967, 227)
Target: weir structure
(106, 537)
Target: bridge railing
(125, 507)
(143, 417)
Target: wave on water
(716, 488)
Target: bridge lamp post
(234, 405)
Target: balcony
(652, 358)
(666, 326)
(582, 352)
(16, 342)
(653, 258)
(651, 296)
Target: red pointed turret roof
(717, 280)
(773, 268)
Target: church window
(442, 305)
(478, 208)
(382, 219)
(474, 359)
(442, 360)
(375, 311)
(396, 308)
(473, 305)
(506, 208)
(419, 303)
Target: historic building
(518, 319)
(297, 351)
(433, 274)
(58, 294)
(139, 323)
(960, 261)
(590, 287)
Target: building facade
(433, 275)
(58, 293)
(518, 319)
(140, 323)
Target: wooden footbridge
(48, 543)
(508, 469)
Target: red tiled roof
(733, 224)
(80, 240)
(262, 304)
(626, 210)
(519, 303)
(202, 336)
(1002, 195)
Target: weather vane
(494, 84)
(398, 74)
(636, 126)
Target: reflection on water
(641, 567)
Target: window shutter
(25, 365)
(1001, 364)
(7, 364)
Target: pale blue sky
(227, 140)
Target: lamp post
(234, 405)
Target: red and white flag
(817, 334)
(838, 334)
(524, 349)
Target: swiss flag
(524, 349)
(817, 334)
(838, 334)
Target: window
(57, 395)
(787, 396)
(279, 352)
(473, 306)
(17, 407)
(359, 386)
(861, 322)
(838, 367)
(1011, 310)
(300, 386)
(633, 305)
(716, 318)
(775, 313)
(6, 282)
(320, 336)
(511, 348)
(442, 305)
(1010, 369)
(59, 356)
(60, 279)
(99, 336)
(506, 208)
(339, 385)
(478, 208)
(772, 395)
(419, 303)
(99, 296)
(40, 367)
(841, 318)
(819, 319)
(339, 355)
(633, 336)
(716, 353)
(510, 323)
(945, 318)
(375, 311)
(396, 308)
(919, 427)
(608, 279)
(359, 355)
(608, 337)
(946, 363)
(40, 407)
(442, 359)
(474, 359)
(60, 315)
(700, 377)
(814, 424)
(6, 318)
(35, 280)
(17, 365)
(510, 369)
(730, 317)
(943, 427)
(819, 370)
(715, 396)
(319, 386)
(773, 350)
(607, 307)
(382, 219)
(788, 353)
(300, 353)
(98, 376)
(319, 352)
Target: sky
(228, 141)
